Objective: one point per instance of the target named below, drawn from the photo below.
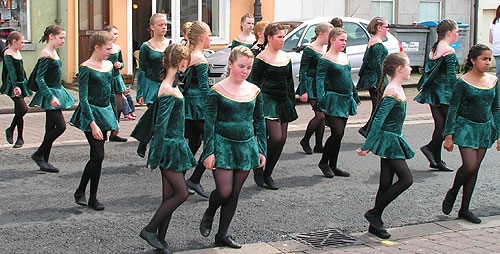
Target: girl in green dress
(95, 115)
(46, 79)
(14, 85)
(386, 140)
(235, 141)
(258, 30)
(245, 38)
(272, 72)
(436, 85)
(163, 124)
(195, 91)
(473, 123)
(150, 65)
(307, 86)
(370, 72)
(337, 98)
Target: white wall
(297, 9)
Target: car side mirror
(300, 48)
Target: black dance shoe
(268, 180)
(115, 138)
(9, 135)
(374, 220)
(327, 171)
(306, 147)
(363, 131)
(80, 199)
(318, 149)
(339, 172)
(468, 216)
(165, 251)
(191, 192)
(40, 162)
(448, 202)
(51, 167)
(19, 143)
(197, 188)
(380, 232)
(151, 238)
(96, 205)
(226, 241)
(258, 176)
(206, 225)
(441, 166)
(141, 149)
(428, 154)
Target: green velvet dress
(385, 137)
(13, 76)
(307, 72)
(371, 69)
(257, 48)
(162, 126)
(46, 80)
(474, 115)
(337, 95)
(117, 84)
(436, 84)
(195, 89)
(235, 131)
(236, 43)
(276, 84)
(148, 76)
(96, 100)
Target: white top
(495, 32)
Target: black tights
(54, 127)
(276, 137)
(20, 109)
(228, 185)
(174, 194)
(467, 174)
(316, 125)
(439, 114)
(92, 171)
(332, 144)
(374, 97)
(387, 190)
(194, 134)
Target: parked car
(299, 35)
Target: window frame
(393, 12)
(27, 33)
(431, 1)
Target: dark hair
(337, 22)
(14, 35)
(391, 63)
(99, 38)
(497, 15)
(334, 33)
(474, 53)
(52, 29)
(442, 28)
(374, 24)
(271, 30)
(172, 56)
(109, 28)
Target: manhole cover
(325, 238)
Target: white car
(299, 35)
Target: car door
(357, 40)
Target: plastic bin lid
(434, 23)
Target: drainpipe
(257, 13)
(58, 13)
(476, 10)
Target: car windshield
(290, 25)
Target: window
(165, 6)
(356, 35)
(308, 38)
(429, 10)
(14, 15)
(293, 41)
(383, 8)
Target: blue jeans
(128, 105)
(497, 60)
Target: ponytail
(442, 29)
(52, 29)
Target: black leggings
(194, 134)
(387, 190)
(375, 98)
(439, 114)
(467, 174)
(276, 137)
(92, 171)
(20, 109)
(316, 125)
(54, 127)
(332, 144)
(228, 185)
(174, 194)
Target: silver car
(299, 35)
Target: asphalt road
(38, 214)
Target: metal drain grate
(325, 238)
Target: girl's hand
(117, 65)
(55, 102)
(17, 91)
(123, 97)
(209, 162)
(126, 91)
(141, 101)
(96, 131)
(304, 97)
(448, 143)
(262, 160)
(361, 153)
(359, 103)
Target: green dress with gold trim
(96, 100)
(235, 131)
(307, 72)
(117, 84)
(148, 76)
(162, 126)
(436, 84)
(385, 137)
(13, 75)
(257, 48)
(474, 115)
(276, 84)
(236, 43)
(337, 95)
(195, 90)
(370, 72)
(46, 80)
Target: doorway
(93, 15)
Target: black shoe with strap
(151, 238)
(468, 216)
(258, 176)
(448, 202)
(197, 188)
(380, 232)
(327, 171)
(115, 138)
(9, 135)
(306, 147)
(141, 149)
(226, 241)
(95, 204)
(80, 198)
(268, 180)
(428, 154)
(206, 225)
(339, 172)
(441, 166)
(19, 143)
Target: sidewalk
(456, 236)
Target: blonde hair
(194, 31)
(374, 24)
(99, 38)
(259, 28)
(244, 17)
(185, 27)
(321, 28)
(237, 52)
(153, 18)
(390, 65)
(335, 33)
